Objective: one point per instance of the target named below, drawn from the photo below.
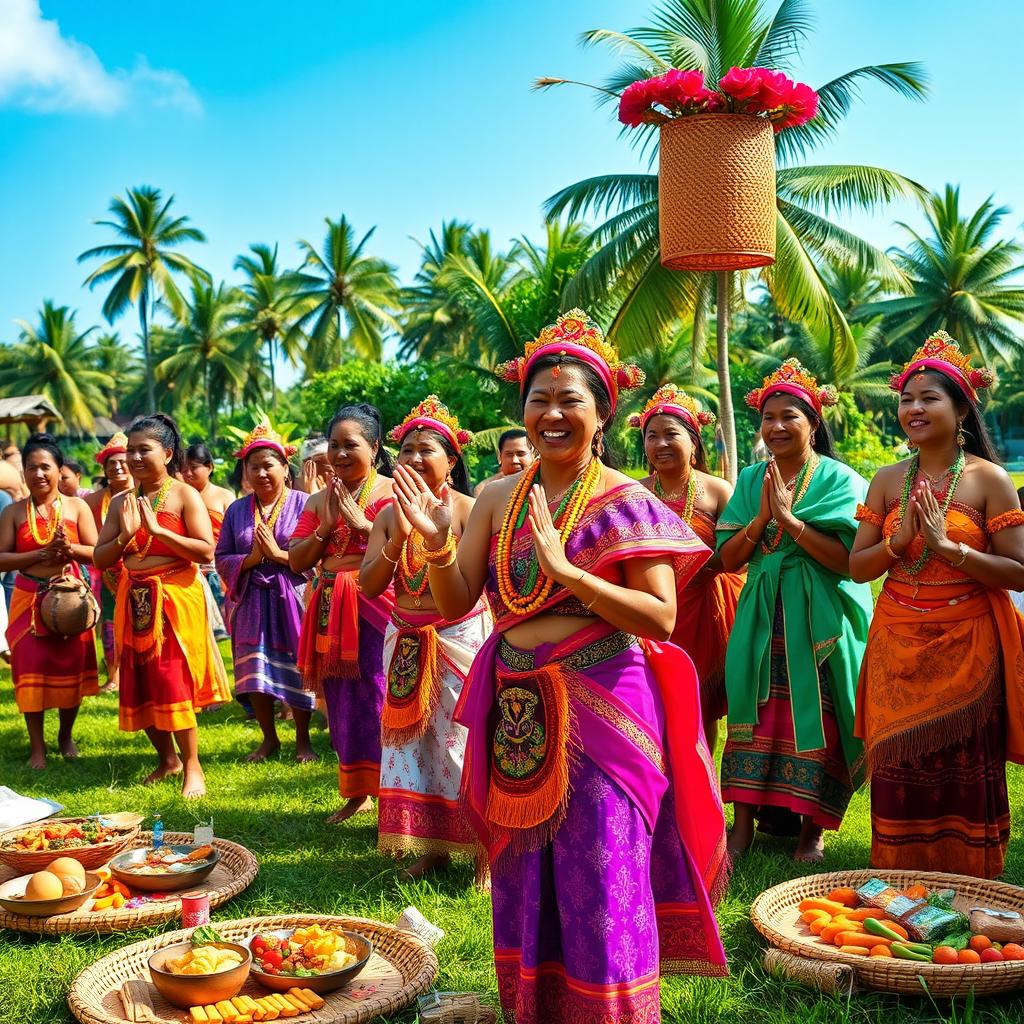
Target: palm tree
(962, 280)
(120, 364)
(142, 264)
(54, 359)
(624, 280)
(340, 287)
(204, 349)
(268, 307)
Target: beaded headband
(264, 436)
(117, 445)
(942, 353)
(671, 400)
(793, 379)
(432, 414)
(575, 335)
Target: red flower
(800, 106)
(635, 103)
(774, 91)
(742, 84)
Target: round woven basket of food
(33, 847)
(901, 931)
(716, 192)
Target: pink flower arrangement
(674, 94)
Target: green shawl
(825, 616)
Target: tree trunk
(273, 379)
(725, 410)
(699, 338)
(211, 405)
(147, 361)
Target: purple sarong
(263, 606)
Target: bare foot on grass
(163, 771)
(305, 754)
(353, 806)
(425, 865)
(266, 749)
(193, 785)
(67, 748)
(37, 760)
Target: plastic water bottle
(158, 831)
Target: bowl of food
(63, 888)
(167, 869)
(313, 957)
(92, 843)
(122, 819)
(188, 975)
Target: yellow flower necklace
(412, 568)
(52, 523)
(270, 519)
(537, 587)
(157, 500)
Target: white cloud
(42, 70)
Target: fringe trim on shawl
(406, 719)
(927, 738)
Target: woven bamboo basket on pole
(716, 192)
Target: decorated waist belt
(530, 750)
(414, 676)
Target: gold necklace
(52, 522)
(156, 501)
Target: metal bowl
(187, 990)
(12, 898)
(171, 882)
(358, 945)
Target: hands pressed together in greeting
(924, 518)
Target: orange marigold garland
(538, 586)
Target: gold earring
(597, 445)
(960, 439)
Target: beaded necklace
(537, 587)
(693, 492)
(773, 531)
(956, 471)
(343, 531)
(157, 500)
(52, 522)
(270, 519)
(412, 568)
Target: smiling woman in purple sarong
(263, 602)
(586, 775)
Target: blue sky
(265, 117)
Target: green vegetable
(943, 898)
(875, 927)
(957, 941)
(205, 935)
(905, 952)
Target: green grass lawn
(277, 810)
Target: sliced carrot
(863, 913)
(848, 897)
(817, 925)
(835, 926)
(822, 904)
(810, 915)
(854, 950)
(860, 939)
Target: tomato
(269, 969)
(979, 942)
(968, 956)
(258, 947)
(272, 958)
(1013, 951)
(944, 955)
(991, 956)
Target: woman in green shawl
(794, 654)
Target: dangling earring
(912, 445)
(960, 439)
(597, 446)
(693, 460)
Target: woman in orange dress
(940, 703)
(169, 665)
(196, 471)
(427, 659)
(706, 605)
(341, 647)
(113, 458)
(40, 537)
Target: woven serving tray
(234, 872)
(775, 915)
(401, 968)
(90, 857)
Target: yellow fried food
(204, 960)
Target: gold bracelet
(323, 540)
(963, 556)
(887, 544)
(448, 560)
(387, 557)
(796, 539)
(445, 551)
(750, 540)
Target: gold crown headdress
(263, 435)
(432, 414)
(674, 401)
(942, 353)
(794, 379)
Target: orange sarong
(164, 646)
